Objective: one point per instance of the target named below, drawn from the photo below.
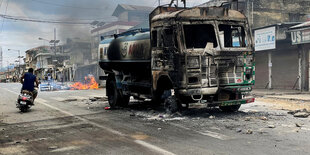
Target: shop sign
(265, 39)
(300, 37)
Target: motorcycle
(24, 101)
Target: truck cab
(202, 54)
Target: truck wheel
(232, 108)
(125, 100)
(113, 94)
(171, 104)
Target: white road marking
(69, 148)
(10, 91)
(140, 142)
(44, 102)
(153, 147)
(206, 133)
(214, 135)
(143, 143)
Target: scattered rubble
(247, 118)
(238, 130)
(211, 117)
(70, 100)
(93, 99)
(249, 131)
(53, 147)
(264, 118)
(302, 113)
(298, 125)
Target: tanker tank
(129, 51)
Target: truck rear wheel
(232, 108)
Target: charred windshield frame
(246, 40)
(196, 39)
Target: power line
(61, 5)
(6, 9)
(16, 18)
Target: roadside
(293, 101)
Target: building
(132, 13)
(81, 62)
(280, 64)
(2, 77)
(44, 60)
(262, 13)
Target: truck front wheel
(172, 104)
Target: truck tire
(232, 108)
(124, 100)
(172, 105)
(114, 97)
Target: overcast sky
(21, 35)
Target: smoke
(86, 12)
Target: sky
(22, 35)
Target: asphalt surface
(67, 122)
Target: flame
(89, 83)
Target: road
(67, 122)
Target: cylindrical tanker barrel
(128, 51)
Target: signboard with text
(300, 37)
(265, 39)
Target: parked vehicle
(202, 54)
(24, 101)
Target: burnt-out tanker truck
(188, 55)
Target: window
(154, 38)
(232, 35)
(198, 36)
(105, 51)
(101, 53)
(168, 38)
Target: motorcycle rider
(28, 80)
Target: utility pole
(55, 53)
(19, 64)
(158, 2)
(1, 58)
